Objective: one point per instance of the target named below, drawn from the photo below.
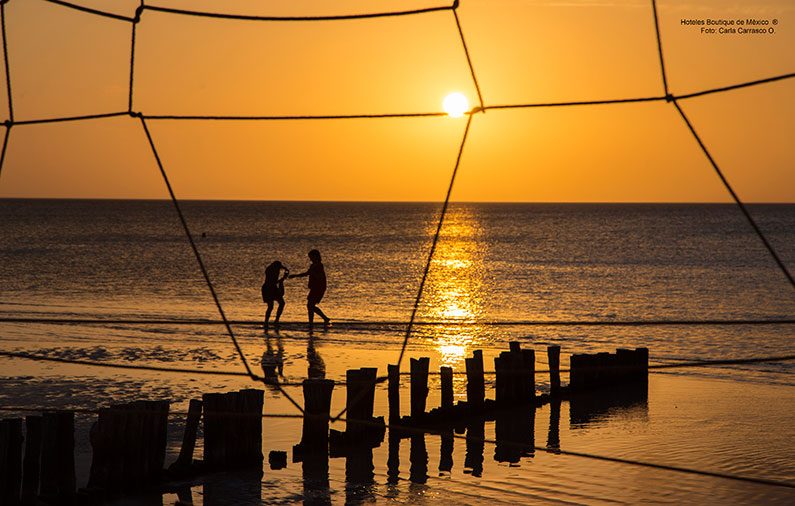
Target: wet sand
(718, 420)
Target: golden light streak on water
(454, 291)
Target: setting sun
(455, 104)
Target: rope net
(144, 119)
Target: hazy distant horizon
(342, 201)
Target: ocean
(500, 273)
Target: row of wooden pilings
(129, 440)
(128, 448)
(514, 385)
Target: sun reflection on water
(453, 291)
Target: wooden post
(643, 363)
(252, 401)
(135, 445)
(587, 373)
(476, 388)
(419, 385)
(530, 381)
(624, 359)
(58, 458)
(575, 372)
(161, 438)
(393, 374)
(30, 466)
(553, 354)
(185, 458)
(446, 377)
(501, 378)
(317, 408)
(602, 368)
(11, 461)
(5, 443)
(354, 401)
(368, 376)
(212, 452)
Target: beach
(502, 273)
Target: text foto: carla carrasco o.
(722, 25)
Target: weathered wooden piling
(393, 387)
(589, 371)
(129, 447)
(476, 386)
(10, 460)
(57, 482)
(317, 410)
(32, 461)
(360, 387)
(446, 379)
(643, 363)
(624, 364)
(515, 376)
(233, 429)
(185, 458)
(419, 385)
(361, 428)
(553, 356)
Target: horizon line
(329, 201)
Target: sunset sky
(64, 63)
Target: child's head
(314, 255)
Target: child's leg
(320, 314)
(279, 310)
(310, 310)
(268, 313)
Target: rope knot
(455, 4)
(8, 123)
(669, 98)
(138, 11)
(134, 114)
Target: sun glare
(455, 104)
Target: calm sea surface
(496, 267)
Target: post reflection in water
(514, 430)
(316, 479)
(418, 458)
(553, 436)
(453, 290)
(316, 366)
(475, 444)
(359, 475)
(446, 453)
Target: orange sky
(64, 62)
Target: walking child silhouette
(317, 287)
(273, 290)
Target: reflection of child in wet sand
(317, 287)
(273, 290)
(273, 363)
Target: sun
(455, 104)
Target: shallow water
(496, 265)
